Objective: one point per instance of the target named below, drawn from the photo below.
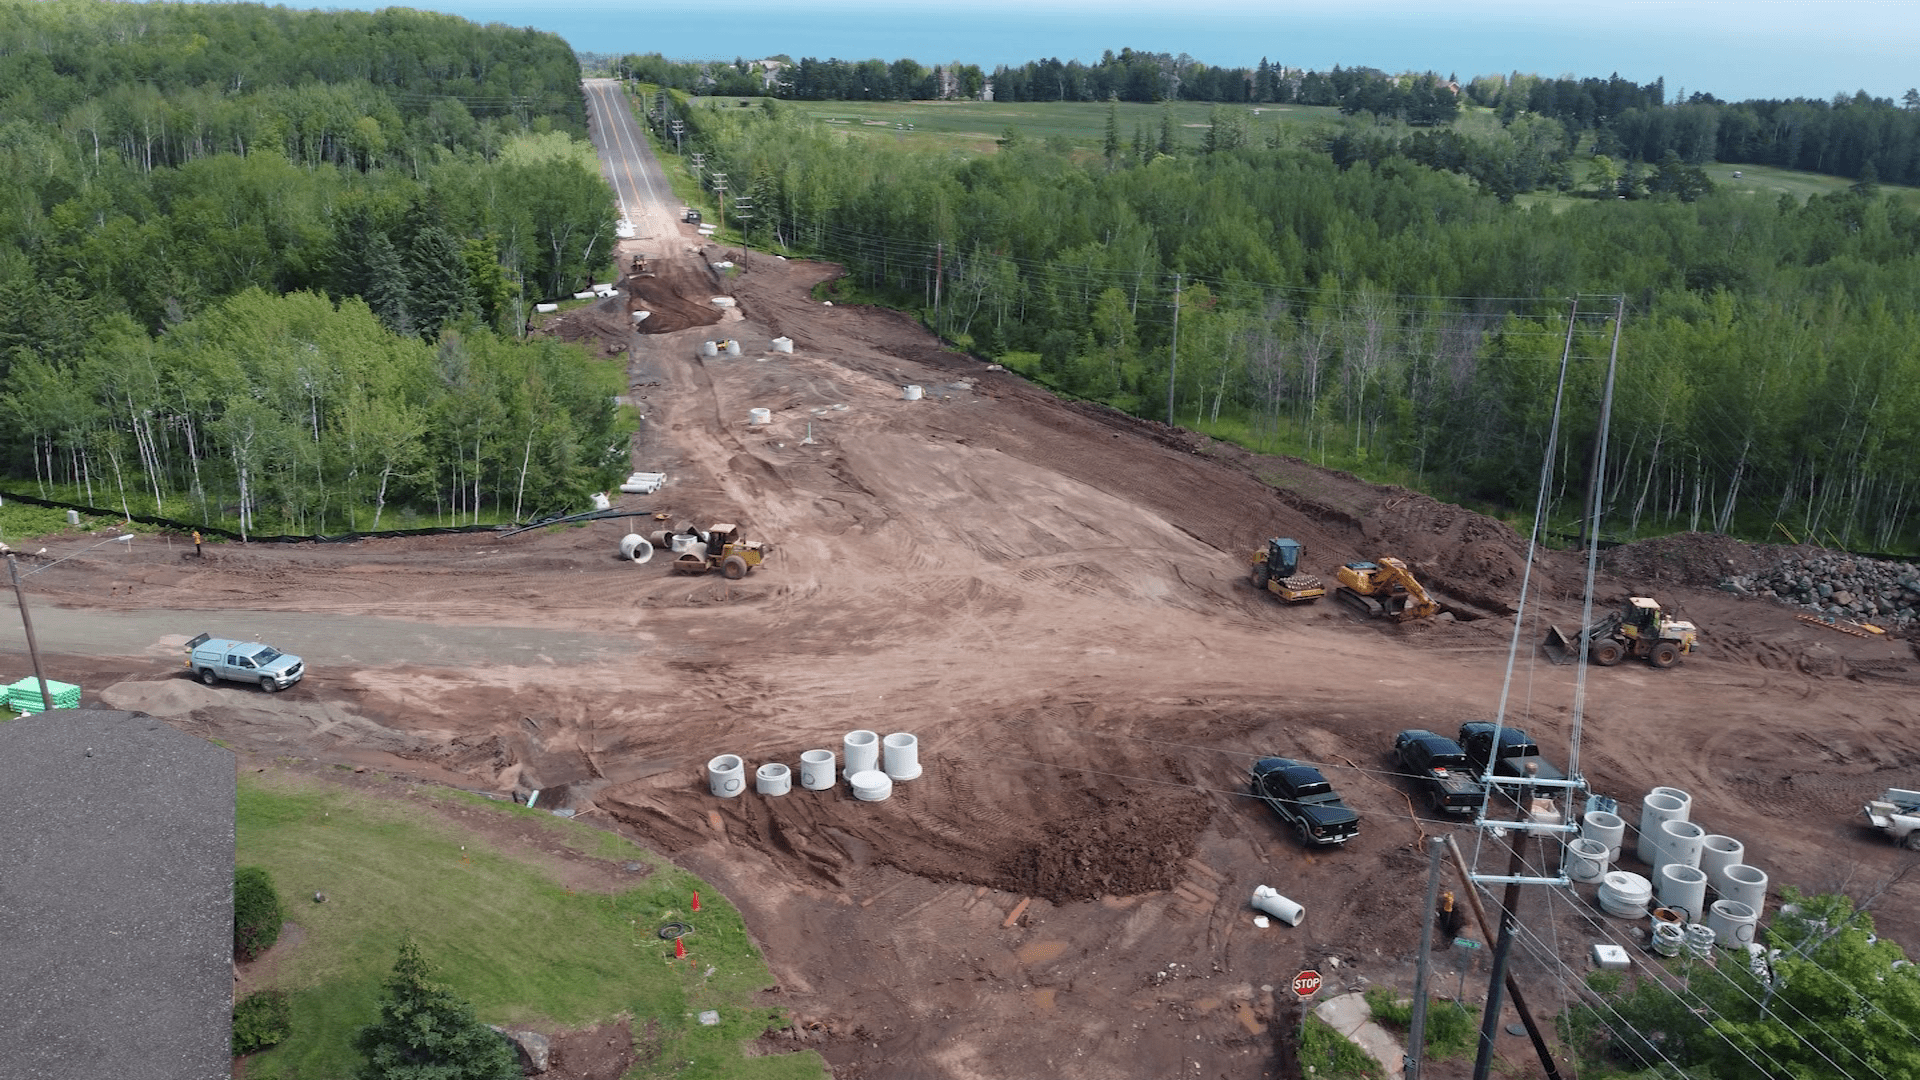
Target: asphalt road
(625, 157)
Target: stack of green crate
(24, 696)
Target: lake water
(1733, 49)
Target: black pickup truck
(1516, 753)
(1442, 768)
(1303, 798)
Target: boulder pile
(1841, 585)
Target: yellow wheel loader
(1642, 630)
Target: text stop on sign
(1307, 983)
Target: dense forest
(270, 269)
(1566, 120)
(1377, 312)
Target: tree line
(404, 182)
(1378, 314)
(1859, 136)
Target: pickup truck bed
(1897, 813)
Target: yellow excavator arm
(1385, 588)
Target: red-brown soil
(1054, 599)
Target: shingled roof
(116, 901)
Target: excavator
(1385, 589)
(1276, 569)
(1641, 630)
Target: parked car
(1303, 798)
(1441, 767)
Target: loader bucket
(1560, 646)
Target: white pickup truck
(212, 659)
(1897, 813)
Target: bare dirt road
(1054, 599)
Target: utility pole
(1501, 976)
(26, 621)
(1173, 353)
(720, 192)
(1417, 1033)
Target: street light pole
(13, 575)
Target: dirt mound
(679, 293)
(597, 327)
(1692, 560)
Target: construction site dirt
(1054, 598)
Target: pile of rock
(1841, 585)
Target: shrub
(261, 1020)
(425, 1031)
(257, 913)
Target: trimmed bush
(261, 1020)
(257, 913)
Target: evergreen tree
(1112, 145)
(425, 1033)
(437, 280)
(387, 285)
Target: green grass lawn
(500, 928)
(975, 125)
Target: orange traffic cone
(679, 948)
(696, 901)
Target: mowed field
(976, 126)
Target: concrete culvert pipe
(1716, 854)
(1585, 860)
(781, 344)
(727, 775)
(1655, 810)
(861, 749)
(1679, 843)
(901, 752)
(871, 785)
(635, 547)
(1746, 885)
(1683, 888)
(911, 393)
(773, 778)
(759, 416)
(1685, 800)
(816, 770)
(1266, 899)
(709, 348)
(1733, 923)
(1608, 828)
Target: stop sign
(1307, 983)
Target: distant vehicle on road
(1303, 798)
(1442, 768)
(212, 659)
